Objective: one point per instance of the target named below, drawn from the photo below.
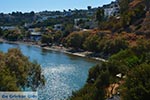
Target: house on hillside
(111, 9)
(35, 36)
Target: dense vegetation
(133, 64)
(17, 18)
(129, 47)
(101, 43)
(132, 14)
(18, 73)
(124, 40)
(14, 35)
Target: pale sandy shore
(80, 54)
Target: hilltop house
(111, 9)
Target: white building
(11, 28)
(111, 9)
(58, 27)
(35, 36)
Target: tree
(74, 40)
(68, 28)
(47, 38)
(100, 15)
(91, 42)
(8, 81)
(89, 7)
(32, 13)
(58, 36)
(18, 73)
(124, 5)
(12, 35)
(137, 84)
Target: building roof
(35, 33)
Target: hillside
(138, 15)
(145, 26)
(128, 70)
(133, 15)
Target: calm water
(64, 73)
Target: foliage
(68, 28)
(11, 35)
(133, 62)
(137, 84)
(47, 38)
(17, 18)
(58, 36)
(132, 12)
(91, 42)
(18, 73)
(114, 46)
(124, 5)
(133, 15)
(76, 39)
(100, 15)
(99, 42)
(88, 92)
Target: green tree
(124, 5)
(74, 40)
(47, 38)
(12, 35)
(8, 81)
(91, 43)
(137, 84)
(68, 28)
(100, 16)
(18, 73)
(58, 36)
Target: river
(64, 73)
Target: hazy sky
(8, 6)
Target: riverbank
(57, 48)
(80, 54)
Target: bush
(18, 73)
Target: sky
(8, 6)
